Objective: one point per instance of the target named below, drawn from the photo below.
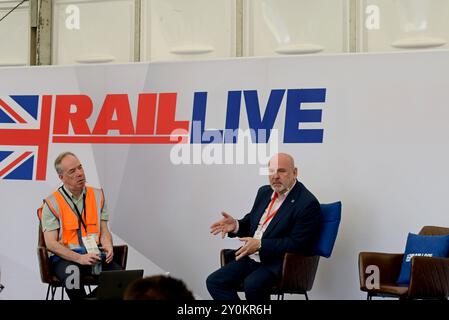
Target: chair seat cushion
(420, 245)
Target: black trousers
(257, 281)
(64, 269)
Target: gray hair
(59, 159)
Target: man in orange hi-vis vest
(74, 221)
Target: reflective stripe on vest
(61, 209)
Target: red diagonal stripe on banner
(11, 112)
(15, 162)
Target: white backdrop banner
(174, 144)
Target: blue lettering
(294, 116)
(256, 122)
(232, 116)
(261, 126)
(198, 122)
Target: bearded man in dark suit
(285, 218)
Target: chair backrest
(330, 221)
(40, 239)
(44, 260)
(434, 231)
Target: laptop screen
(112, 284)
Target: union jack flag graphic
(24, 136)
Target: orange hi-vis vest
(71, 229)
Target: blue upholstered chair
(298, 272)
(331, 216)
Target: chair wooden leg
(307, 297)
(280, 296)
(48, 292)
(62, 292)
(369, 297)
(53, 292)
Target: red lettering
(166, 123)
(146, 113)
(115, 104)
(78, 119)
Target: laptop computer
(112, 284)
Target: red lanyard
(272, 214)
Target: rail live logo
(26, 130)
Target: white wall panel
(403, 24)
(14, 34)
(105, 33)
(187, 30)
(295, 27)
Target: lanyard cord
(271, 216)
(78, 214)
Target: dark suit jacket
(293, 229)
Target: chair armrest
(389, 265)
(429, 277)
(298, 272)
(226, 256)
(222, 257)
(121, 255)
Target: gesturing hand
(251, 245)
(223, 226)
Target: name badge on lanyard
(258, 234)
(269, 216)
(91, 244)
